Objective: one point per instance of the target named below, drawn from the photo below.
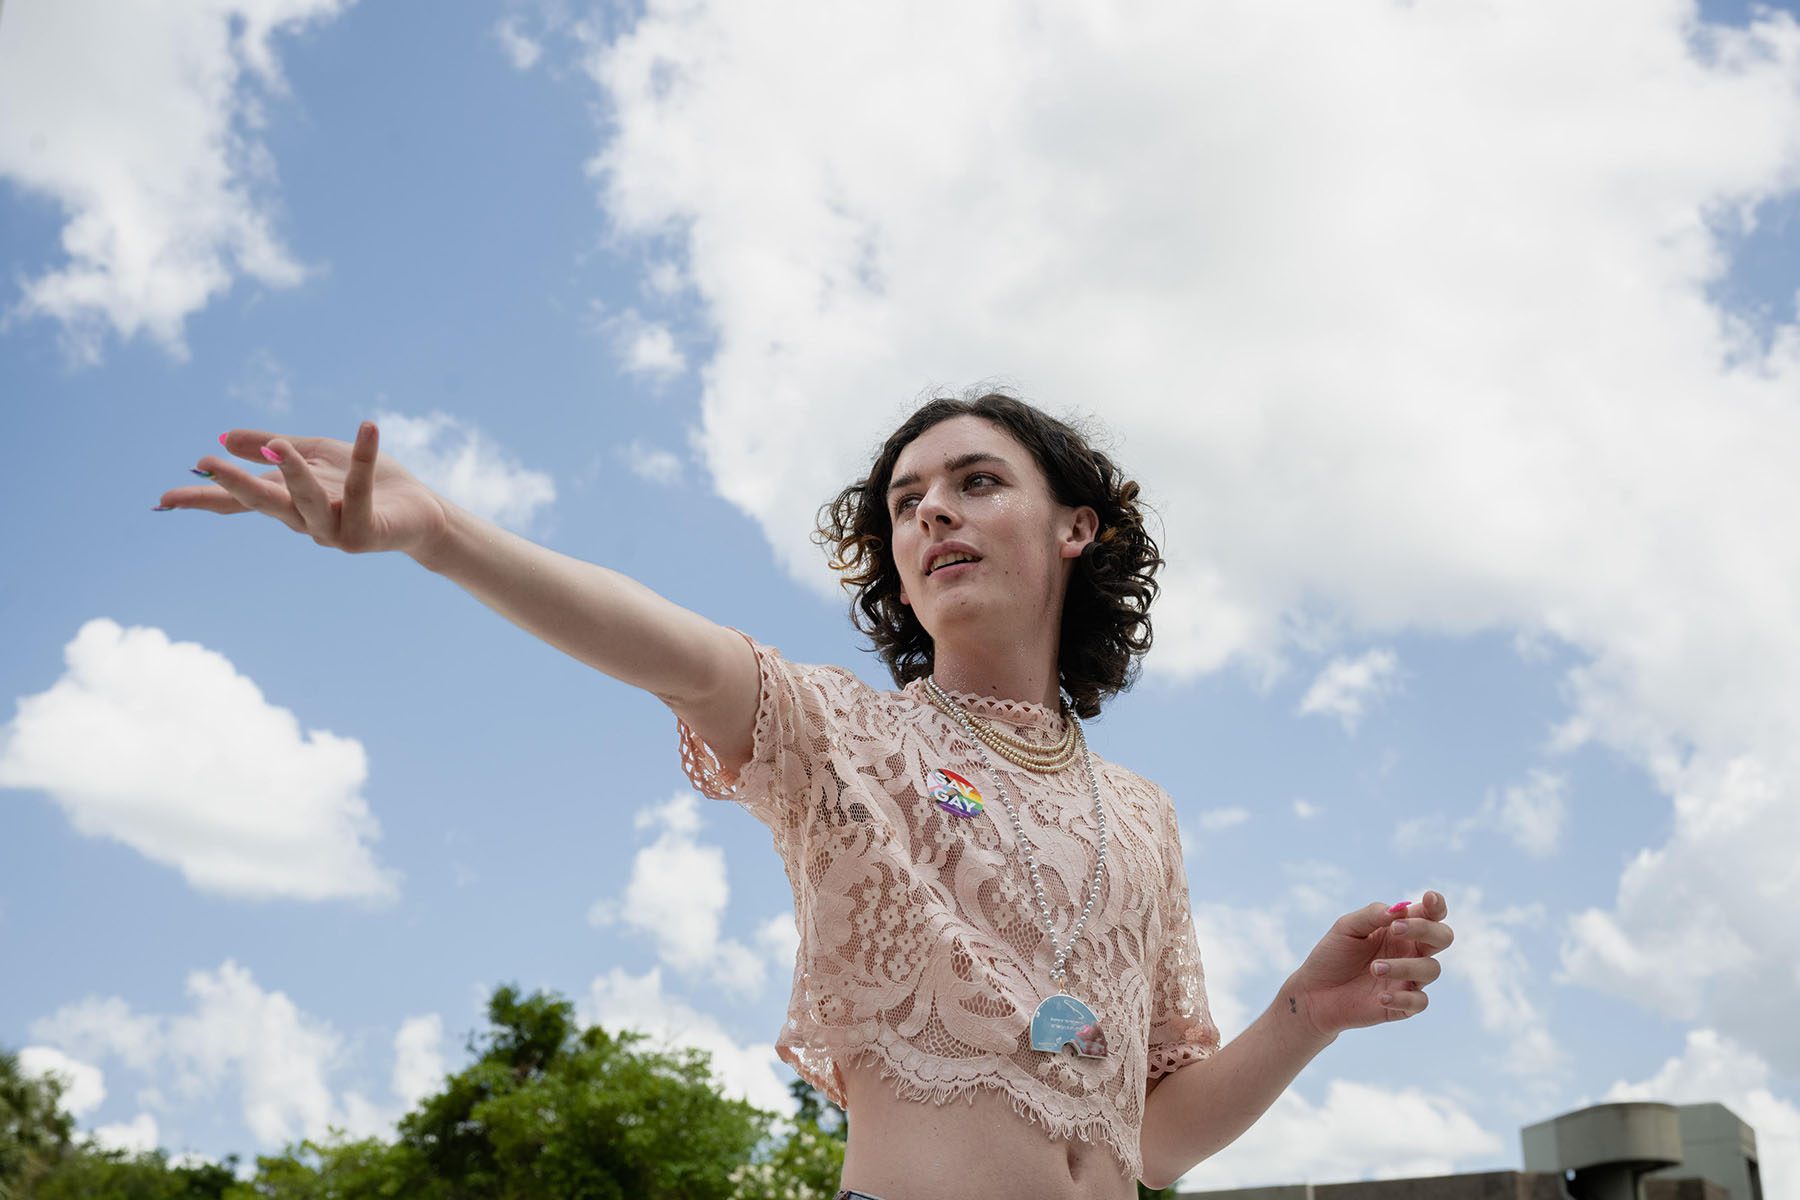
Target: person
(998, 977)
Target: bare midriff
(911, 1150)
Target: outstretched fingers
(249, 492)
(207, 498)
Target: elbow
(1160, 1173)
(1157, 1178)
(1155, 1172)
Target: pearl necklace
(1033, 757)
(1049, 1021)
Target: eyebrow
(954, 464)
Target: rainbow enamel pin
(953, 793)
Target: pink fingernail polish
(222, 439)
(1400, 907)
(270, 455)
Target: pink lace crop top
(921, 944)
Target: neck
(1006, 672)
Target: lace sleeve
(798, 708)
(1181, 1024)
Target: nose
(933, 506)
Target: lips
(947, 550)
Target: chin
(961, 611)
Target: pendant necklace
(1061, 1019)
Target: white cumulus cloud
(1490, 963)
(1214, 819)
(83, 1084)
(651, 462)
(678, 895)
(1347, 686)
(780, 938)
(1319, 890)
(460, 462)
(1242, 949)
(644, 347)
(140, 123)
(745, 1070)
(520, 50)
(1359, 1131)
(1701, 928)
(418, 1059)
(1532, 815)
(137, 1135)
(239, 1039)
(650, 350)
(201, 772)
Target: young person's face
(967, 480)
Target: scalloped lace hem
(1058, 1126)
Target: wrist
(1294, 1016)
(434, 551)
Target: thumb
(1369, 918)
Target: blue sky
(1424, 352)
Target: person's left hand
(1342, 984)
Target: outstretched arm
(349, 497)
(703, 671)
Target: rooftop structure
(1637, 1150)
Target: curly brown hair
(1106, 611)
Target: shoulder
(838, 688)
(818, 674)
(1125, 780)
(1154, 807)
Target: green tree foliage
(40, 1158)
(545, 1110)
(34, 1131)
(335, 1169)
(90, 1172)
(809, 1163)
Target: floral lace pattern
(922, 948)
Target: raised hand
(1374, 964)
(341, 494)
